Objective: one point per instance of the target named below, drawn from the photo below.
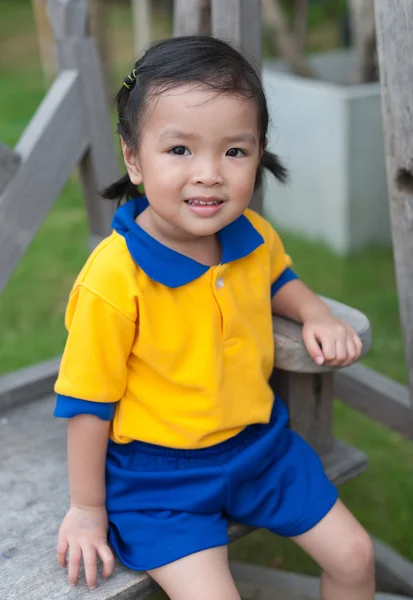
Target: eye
(235, 152)
(179, 150)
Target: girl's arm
(327, 339)
(83, 532)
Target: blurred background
(333, 216)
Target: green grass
(32, 309)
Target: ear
(132, 163)
(264, 148)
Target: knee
(356, 559)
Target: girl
(173, 427)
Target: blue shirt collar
(166, 266)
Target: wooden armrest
(290, 352)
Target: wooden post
(76, 50)
(142, 25)
(189, 17)
(45, 39)
(9, 164)
(239, 23)
(98, 27)
(394, 24)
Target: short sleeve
(281, 271)
(100, 338)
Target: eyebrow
(182, 135)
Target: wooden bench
(33, 481)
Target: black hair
(172, 62)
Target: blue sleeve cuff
(285, 277)
(68, 407)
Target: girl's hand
(331, 341)
(83, 533)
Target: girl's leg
(200, 576)
(344, 551)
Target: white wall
(330, 137)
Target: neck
(204, 249)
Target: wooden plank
(26, 385)
(76, 51)
(187, 17)
(262, 583)
(239, 22)
(394, 573)
(309, 398)
(34, 497)
(9, 164)
(142, 25)
(379, 397)
(291, 354)
(394, 23)
(45, 40)
(50, 147)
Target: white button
(219, 283)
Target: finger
(329, 350)
(75, 555)
(341, 352)
(89, 560)
(313, 347)
(61, 551)
(108, 560)
(358, 344)
(351, 351)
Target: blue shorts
(164, 504)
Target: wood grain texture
(291, 354)
(187, 17)
(99, 166)
(50, 148)
(34, 498)
(261, 583)
(9, 164)
(69, 18)
(309, 397)
(394, 24)
(142, 25)
(25, 385)
(394, 572)
(379, 397)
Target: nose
(207, 171)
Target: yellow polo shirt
(175, 353)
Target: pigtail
(271, 162)
(122, 189)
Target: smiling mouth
(199, 202)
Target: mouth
(205, 206)
(206, 201)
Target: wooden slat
(45, 40)
(75, 51)
(394, 572)
(9, 164)
(34, 498)
(291, 354)
(187, 17)
(261, 583)
(239, 22)
(309, 398)
(50, 147)
(142, 25)
(28, 384)
(394, 20)
(379, 397)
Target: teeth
(203, 203)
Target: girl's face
(197, 159)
